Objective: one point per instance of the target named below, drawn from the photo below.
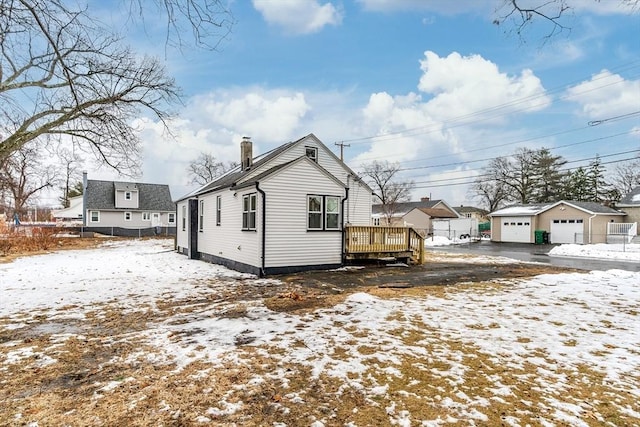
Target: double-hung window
(323, 212)
(172, 218)
(201, 216)
(127, 216)
(218, 210)
(249, 212)
(314, 208)
(94, 216)
(146, 216)
(332, 213)
(184, 217)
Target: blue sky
(433, 85)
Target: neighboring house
(419, 215)
(630, 205)
(71, 216)
(472, 213)
(283, 211)
(128, 205)
(566, 221)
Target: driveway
(534, 253)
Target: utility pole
(342, 145)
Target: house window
(95, 216)
(184, 217)
(323, 212)
(146, 216)
(218, 210)
(127, 216)
(249, 212)
(376, 221)
(201, 216)
(332, 213)
(314, 209)
(312, 153)
(172, 218)
(127, 195)
(467, 215)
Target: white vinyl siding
(228, 240)
(123, 202)
(288, 242)
(118, 219)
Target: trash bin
(539, 235)
(546, 238)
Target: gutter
(264, 229)
(344, 234)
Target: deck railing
(361, 239)
(627, 229)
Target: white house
(71, 215)
(283, 211)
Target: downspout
(264, 232)
(344, 230)
(84, 199)
(590, 218)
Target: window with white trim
(218, 210)
(201, 216)
(312, 153)
(171, 217)
(127, 216)
(184, 217)
(127, 195)
(94, 216)
(332, 213)
(314, 210)
(323, 212)
(146, 216)
(249, 212)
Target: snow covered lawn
(132, 333)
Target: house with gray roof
(630, 204)
(563, 221)
(282, 211)
(126, 205)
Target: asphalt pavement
(535, 253)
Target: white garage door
(516, 229)
(566, 231)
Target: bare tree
(517, 16)
(64, 75)
(490, 192)
(388, 191)
(206, 168)
(70, 163)
(626, 176)
(24, 175)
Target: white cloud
(299, 16)
(606, 95)
(465, 86)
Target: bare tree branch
(206, 168)
(388, 191)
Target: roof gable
(274, 170)
(631, 199)
(263, 165)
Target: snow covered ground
(553, 349)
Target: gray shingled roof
(152, 197)
(594, 207)
(406, 206)
(631, 199)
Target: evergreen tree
(548, 176)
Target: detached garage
(565, 221)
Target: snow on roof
(519, 210)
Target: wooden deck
(369, 242)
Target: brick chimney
(425, 199)
(246, 153)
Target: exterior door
(515, 229)
(155, 219)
